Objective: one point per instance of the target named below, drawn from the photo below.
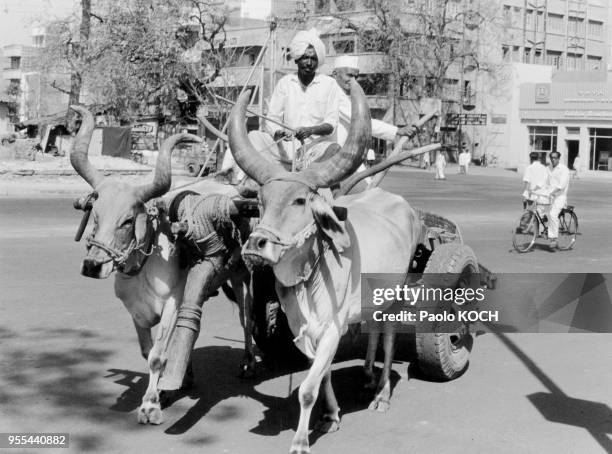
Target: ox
(317, 255)
(152, 279)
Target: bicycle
(531, 225)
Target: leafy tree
(138, 56)
(434, 48)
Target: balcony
(9, 73)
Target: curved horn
(208, 125)
(345, 161)
(163, 169)
(78, 156)
(255, 164)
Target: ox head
(291, 209)
(118, 208)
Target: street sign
(466, 119)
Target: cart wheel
(525, 232)
(445, 356)
(271, 330)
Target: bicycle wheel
(525, 232)
(568, 228)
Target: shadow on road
(48, 375)
(556, 406)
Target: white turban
(302, 40)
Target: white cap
(347, 61)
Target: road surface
(70, 360)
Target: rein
(120, 258)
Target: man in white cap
(346, 68)
(307, 102)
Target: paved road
(69, 360)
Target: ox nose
(91, 268)
(257, 242)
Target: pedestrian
(576, 167)
(440, 165)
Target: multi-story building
(28, 89)
(569, 35)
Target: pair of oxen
(317, 249)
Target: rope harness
(120, 258)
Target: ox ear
(329, 223)
(140, 227)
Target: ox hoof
(299, 448)
(150, 414)
(380, 405)
(327, 424)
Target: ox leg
(144, 339)
(368, 366)
(150, 409)
(244, 299)
(330, 420)
(309, 389)
(383, 392)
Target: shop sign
(466, 119)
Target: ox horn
(255, 164)
(78, 156)
(163, 169)
(345, 161)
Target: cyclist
(558, 183)
(535, 179)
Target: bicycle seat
(569, 208)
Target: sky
(17, 16)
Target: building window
(39, 40)
(527, 55)
(553, 58)
(576, 26)
(542, 139)
(555, 23)
(595, 29)
(345, 5)
(506, 53)
(600, 154)
(15, 62)
(574, 62)
(593, 63)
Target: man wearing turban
(307, 102)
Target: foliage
(141, 56)
(426, 41)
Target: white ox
(317, 257)
(150, 281)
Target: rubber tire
(536, 228)
(574, 222)
(438, 358)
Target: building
(569, 35)
(30, 90)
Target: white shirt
(537, 177)
(559, 179)
(380, 129)
(297, 105)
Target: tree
(433, 48)
(135, 56)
